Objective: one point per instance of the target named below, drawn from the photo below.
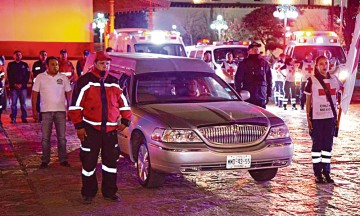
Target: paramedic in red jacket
(97, 104)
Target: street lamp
(285, 11)
(219, 24)
(100, 22)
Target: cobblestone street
(27, 190)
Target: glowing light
(319, 40)
(219, 24)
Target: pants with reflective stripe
(322, 137)
(89, 151)
(290, 94)
(278, 91)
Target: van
(147, 41)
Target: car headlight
(175, 136)
(278, 132)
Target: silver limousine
(187, 119)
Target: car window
(336, 51)
(165, 49)
(181, 87)
(238, 53)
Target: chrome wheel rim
(143, 163)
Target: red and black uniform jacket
(99, 102)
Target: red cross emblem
(309, 69)
(332, 91)
(231, 71)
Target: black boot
(319, 179)
(294, 107)
(285, 107)
(328, 179)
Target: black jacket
(253, 74)
(18, 73)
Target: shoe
(13, 121)
(43, 165)
(294, 108)
(65, 164)
(24, 121)
(113, 198)
(328, 179)
(319, 180)
(87, 200)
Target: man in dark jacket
(253, 74)
(18, 73)
(39, 67)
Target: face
(254, 50)
(230, 57)
(53, 66)
(43, 56)
(63, 56)
(207, 57)
(102, 65)
(192, 87)
(322, 66)
(18, 56)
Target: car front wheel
(263, 174)
(148, 177)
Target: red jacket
(92, 106)
(67, 68)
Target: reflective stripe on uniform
(316, 160)
(86, 87)
(85, 149)
(326, 153)
(86, 173)
(293, 100)
(99, 123)
(116, 145)
(316, 154)
(107, 169)
(75, 108)
(125, 108)
(326, 160)
(316, 157)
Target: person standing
(53, 87)
(39, 67)
(253, 74)
(321, 117)
(97, 105)
(66, 67)
(208, 60)
(81, 63)
(2, 85)
(18, 73)
(229, 66)
(288, 69)
(306, 67)
(279, 79)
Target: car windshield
(336, 51)
(239, 53)
(165, 49)
(181, 87)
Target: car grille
(234, 134)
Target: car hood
(193, 115)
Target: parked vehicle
(147, 41)
(186, 119)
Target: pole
(219, 34)
(341, 20)
(112, 15)
(150, 23)
(285, 24)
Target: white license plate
(238, 161)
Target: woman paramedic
(320, 117)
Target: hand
(81, 134)
(121, 127)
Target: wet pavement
(27, 190)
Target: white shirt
(52, 90)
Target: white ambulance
(317, 42)
(218, 53)
(147, 41)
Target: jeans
(15, 94)
(59, 119)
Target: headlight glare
(279, 132)
(175, 136)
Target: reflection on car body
(174, 132)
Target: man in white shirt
(52, 86)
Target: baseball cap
(102, 56)
(86, 52)
(254, 44)
(63, 51)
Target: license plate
(238, 161)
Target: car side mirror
(244, 94)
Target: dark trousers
(302, 95)
(90, 148)
(322, 137)
(290, 94)
(257, 102)
(278, 92)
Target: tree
(131, 20)
(236, 31)
(263, 25)
(196, 26)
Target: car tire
(263, 174)
(148, 177)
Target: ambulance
(147, 41)
(218, 52)
(317, 42)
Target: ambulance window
(192, 54)
(199, 54)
